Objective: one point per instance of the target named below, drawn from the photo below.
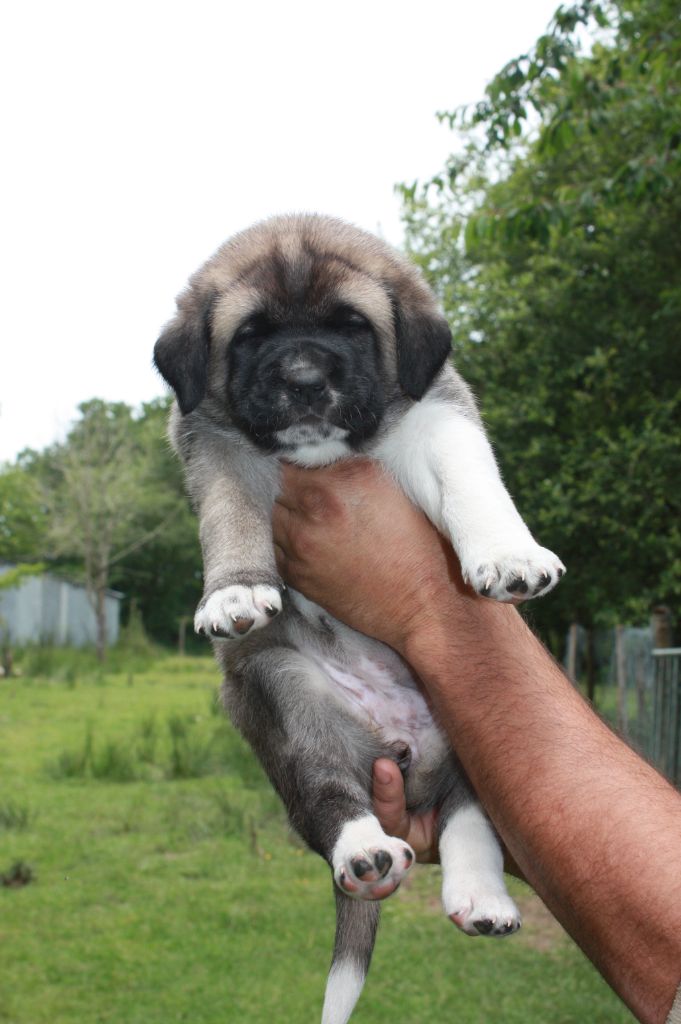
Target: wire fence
(665, 747)
(635, 687)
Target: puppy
(306, 339)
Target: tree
(106, 501)
(108, 505)
(93, 502)
(23, 516)
(23, 531)
(565, 297)
(165, 574)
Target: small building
(49, 610)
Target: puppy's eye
(350, 319)
(254, 327)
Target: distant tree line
(107, 506)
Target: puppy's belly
(396, 713)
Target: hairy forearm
(608, 865)
(594, 829)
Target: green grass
(163, 883)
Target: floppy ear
(181, 353)
(423, 341)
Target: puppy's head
(300, 331)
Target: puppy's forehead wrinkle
(309, 256)
(305, 289)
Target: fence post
(667, 712)
(571, 657)
(590, 666)
(661, 626)
(621, 668)
(182, 634)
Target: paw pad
(375, 873)
(514, 575)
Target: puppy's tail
(356, 924)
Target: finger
(294, 483)
(281, 559)
(390, 805)
(281, 524)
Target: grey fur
(316, 748)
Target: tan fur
(350, 266)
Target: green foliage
(565, 295)
(164, 574)
(599, 131)
(23, 516)
(14, 576)
(14, 815)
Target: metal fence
(637, 689)
(665, 746)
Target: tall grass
(15, 816)
(69, 664)
(189, 747)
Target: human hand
(419, 830)
(349, 539)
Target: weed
(230, 817)
(15, 816)
(19, 874)
(69, 665)
(115, 762)
(191, 754)
(148, 739)
(73, 764)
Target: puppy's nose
(306, 385)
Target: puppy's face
(299, 380)
(300, 331)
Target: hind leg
(367, 864)
(319, 758)
(473, 889)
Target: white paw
(517, 573)
(234, 611)
(479, 909)
(368, 864)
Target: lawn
(162, 883)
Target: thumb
(390, 806)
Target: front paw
(516, 574)
(234, 611)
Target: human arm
(592, 827)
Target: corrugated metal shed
(46, 609)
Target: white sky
(137, 136)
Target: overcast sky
(137, 136)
